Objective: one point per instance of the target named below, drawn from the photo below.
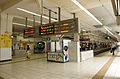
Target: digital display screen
(56, 28)
(67, 26)
(46, 29)
(29, 32)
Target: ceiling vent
(98, 26)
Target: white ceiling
(100, 9)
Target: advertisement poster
(5, 41)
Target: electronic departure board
(62, 27)
(67, 26)
(46, 29)
(29, 32)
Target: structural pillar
(5, 36)
(74, 50)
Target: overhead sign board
(67, 26)
(29, 32)
(56, 28)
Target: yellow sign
(5, 41)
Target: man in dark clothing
(28, 50)
(113, 49)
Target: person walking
(28, 51)
(113, 49)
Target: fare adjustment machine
(58, 50)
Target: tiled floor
(114, 70)
(41, 69)
(23, 58)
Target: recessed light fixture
(119, 34)
(83, 30)
(85, 10)
(30, 12)
(22, 24)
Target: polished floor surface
(16, 59)
(41, 69)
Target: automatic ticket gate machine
(58, 50)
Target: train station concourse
(59, 39)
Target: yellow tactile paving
(101, 73)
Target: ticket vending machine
(58, 50)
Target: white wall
(28, 39)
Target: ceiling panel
(93, 3)
(103, 14)
(2, 2)
(67, 7)
(79, 13)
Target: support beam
(116, 10)
(49, 16)
(118, 20)
(41, 10)
(114, 7)
(117, 7)
(49, 9)
(40, 5)
(26, 20)
(59, 14)
(73, 15)
(33, 20)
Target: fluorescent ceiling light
(30, 12)
(22, 24)
(109, 31)
(85, 10)
(83, 30)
